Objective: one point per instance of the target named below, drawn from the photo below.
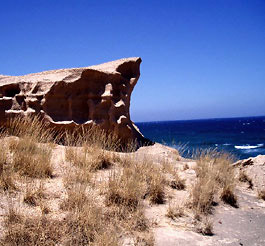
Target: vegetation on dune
(104, 193)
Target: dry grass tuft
(243, 177)
(124, 188)
(205, 227)
(24, 231)
(6, 172)
(12, 216)
(84, 219)
(154, 180)
(31, 126)
(86, 225)
(31, 159)
(92, 136)
(177, 183)
(156, 188)
(106, 238)
(186, 167)
(145, 240)
(228, 196)
(34, 194)
(215, 175)
(77, 176)
(175, 211)
(88, 158)
(261, 194)
(76, 197)
(33, 231)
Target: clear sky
(201, 58)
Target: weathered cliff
(66, 98)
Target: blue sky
(201, 58)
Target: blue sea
(243, 137)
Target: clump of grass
(33, 231)
(124, 188)
(228, 196)
(6, 171)
(145, 240)
(34, 195)
(87, 225)
(153, 179)
(215, 175)
(33, 127)
(261, 194)
(177, 183)
(78, 176)
(44, 209)
(30, 159)
(92, 136)
(87, 157)
(186, 167)
(156, 189)
(29, 231)
(175, 211)
(205, 227)
(203, 196)
(106, 238)
(137, 221)
(12, 216)
(243, 177)
(76, 197)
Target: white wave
(248, 146)
(226, 144)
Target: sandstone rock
(254, 168)
(66, 98)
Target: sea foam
(248, 146)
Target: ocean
(242, 137)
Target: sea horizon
(243, 137)
(199, 119)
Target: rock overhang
(67, 98)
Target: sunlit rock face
(66, 98)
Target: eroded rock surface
(67, 98)
(254, 168)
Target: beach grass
(95, 194)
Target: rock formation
(66, 98)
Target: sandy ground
(244, 225)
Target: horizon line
(197, 119)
